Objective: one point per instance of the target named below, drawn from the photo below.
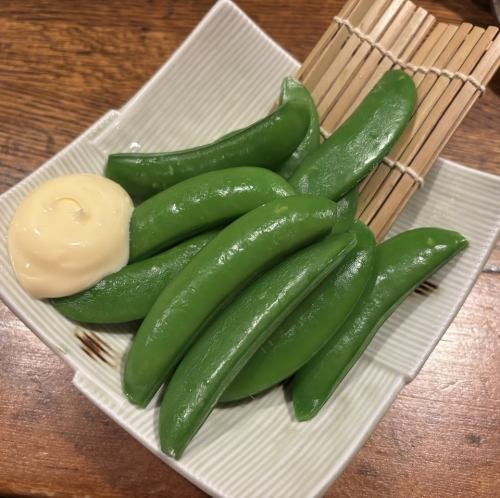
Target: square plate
(226, 75)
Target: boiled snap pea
(229, 341)
(200, 203)
(401, 264)
(129, 293)
(311, 324)
(224, 266)
(361, 142)
(267, 143)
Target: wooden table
(64, 63)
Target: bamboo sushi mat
(450, 64)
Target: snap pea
(225, 265)
(401, 264)
(129, 293)
(360, 143)
(294, 91)
(346, 211)
(267, 143)
(200, 203)
(313, 322)
(230, 340)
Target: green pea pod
(309, 327)
(361, 142)
(267, 143)
(199, 203)
(401, 264)
(224, 266)
(294, 91)
(346, 211)
(230, 340)
(129, 293)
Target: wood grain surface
(64, 63)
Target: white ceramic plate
(226, 75)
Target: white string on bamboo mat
(405, 170)
(408, 65)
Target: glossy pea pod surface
(294, 91)
(200, 203)
(401, 264)
(361, 142)
(346, 211)
(224, 266)
(311, 324)
(267, 143)
(230, 340)
(130, 293)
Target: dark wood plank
(62, 65)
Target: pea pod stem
(402, 263)
(228, 342)
(224, 266)
(294, 91)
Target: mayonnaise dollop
(69, 233)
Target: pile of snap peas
(247, 266)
